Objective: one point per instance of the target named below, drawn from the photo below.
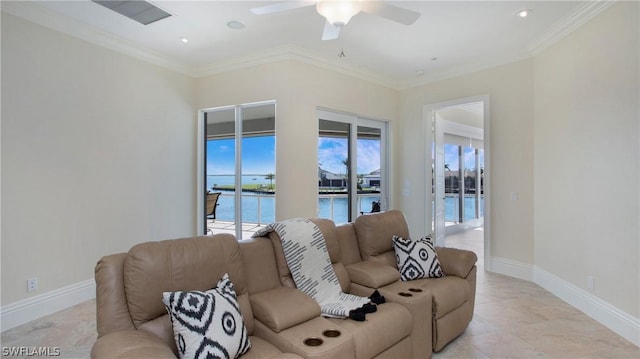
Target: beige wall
(299, 90)
(510, 88)
(97, 155)
(98, 151)
(587, 157)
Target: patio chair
(212, 204)
(375, 207)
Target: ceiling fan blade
(331, 32)
(391, 12)
(281, 6)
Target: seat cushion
(282, 308)
(372, 274)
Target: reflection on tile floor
(513, 319)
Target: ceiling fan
(338, 13)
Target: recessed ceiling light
(235, 24)
(524, 13)
(184, 39)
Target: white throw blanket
(306, 254)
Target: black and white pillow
(416, 259)
(208, 324)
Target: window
(463, 183)
(239, 165)
(351, 166)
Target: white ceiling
(450, 37)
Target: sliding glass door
(239, 168)
(352, 175)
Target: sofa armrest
(456, 262)
(282, 308)
(132, 344)
(372, 274)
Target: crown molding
(429, 78)
(296, 53)
(568, 24)
(42, 16)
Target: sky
(333, 151)
(259, 155)
(451, 157)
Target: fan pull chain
(341, 53)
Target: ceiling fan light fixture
(337, 12)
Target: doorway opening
(458, 182)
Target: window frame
(354, 121)
(201, 158)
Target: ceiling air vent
(141, 11)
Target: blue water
(451, 206)
(251, 202)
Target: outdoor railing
(259, 208)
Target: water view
(260, 208)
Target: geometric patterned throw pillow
(416, 259)
(208, 324)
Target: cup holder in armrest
(331, 333)
(415, 290)
(403, 294)
(313, 342)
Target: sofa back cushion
(375, 231)
(281, 263)
(330, 234)
(259, 262)
(179, 265)
(349, 250)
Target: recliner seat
(453, 296)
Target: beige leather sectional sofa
(418, 317)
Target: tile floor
(513, 319)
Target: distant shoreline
(252, 190)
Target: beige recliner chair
(385, 333)
(452, 296)
(132, 321)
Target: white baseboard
(512, 268)
(622, 323)
(24, 311)
(611, 317)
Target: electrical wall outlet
(32, 284)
